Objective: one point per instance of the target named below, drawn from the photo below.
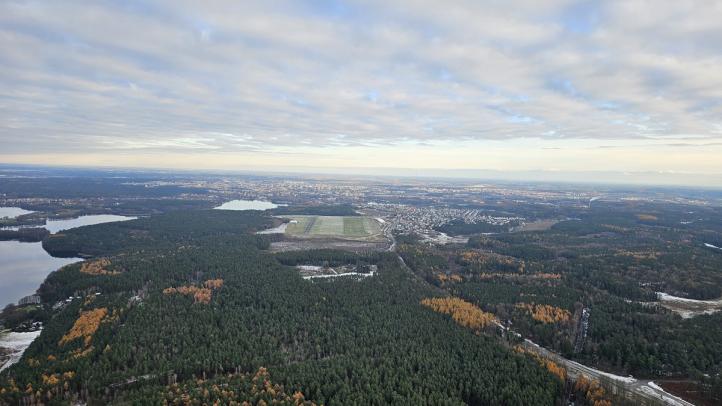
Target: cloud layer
(276, 77)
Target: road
(582, 327)
(388, 232)
(640, 392)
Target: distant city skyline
(614, 91)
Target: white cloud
(271, 76)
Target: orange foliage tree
(464, 313)
(200, 294)
(559, 371)
(213, 283)
(592, 390)
(546, 313)
(97, 267)
(85, 326)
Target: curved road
(640, 392)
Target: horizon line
(536, 176)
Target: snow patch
(362, 275)
(626, 379)
(664, 297)
(688, 308)
(275, 230)
(16, 343)
(664, 396)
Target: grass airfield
(344, 227)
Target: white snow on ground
(664, 297)
(655, 386)
(712, 246)
(688, 314)
(582, 367)
(631, 384)
(309, 267)
(625, 379)
(16, 343)
(275, 230)
(688, 308)
(363, 275)
(665, 397)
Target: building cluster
(29, 300)
(408, 219)
(326, 190)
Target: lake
(12, 212)
(59, 225)
(247, 205)
(24, 267)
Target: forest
(29, 234)
(317, 210)
(73, 187)
(345, 341)
(173, 306)
(609, 262)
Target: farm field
(333, 226)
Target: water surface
(12, 212)
(247, 205)
(23, 267)
(59, 225)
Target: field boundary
(353, 228)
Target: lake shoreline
(27, 263)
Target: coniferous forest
(190, 305)
(170, 307)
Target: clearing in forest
(349, 227)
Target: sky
(524, 86)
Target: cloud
(97, 77)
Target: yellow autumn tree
(97, 267)
(551, 366)
(213, 283)
(85, 326)
(464, 313)
(546, 313)
(593, 391)
(200, 294)
(560, 372)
